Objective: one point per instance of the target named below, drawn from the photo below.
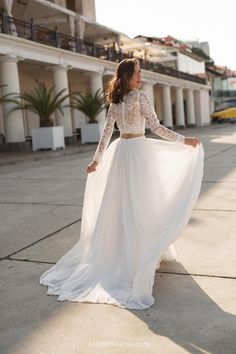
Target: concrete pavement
(195, 309)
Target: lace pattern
(130, 116)
(106, 134)
(154, 124)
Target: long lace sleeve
(156, 127)
(106, 134)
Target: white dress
(136, 205)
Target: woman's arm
(156, 127)
(154, 124)
(104, 139)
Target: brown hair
(119, 84)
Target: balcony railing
(36, 33)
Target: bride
(139, 196)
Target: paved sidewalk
(13, 158)
(195, 309)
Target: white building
(190, 63)
(166, 51)
(73, 58)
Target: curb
(47, 155)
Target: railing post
(94, 49)
(145, 64)
(57, 39)
(120, 55)
(109, 53)
(77, 44)
(32, 29)
(5, 23)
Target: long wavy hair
(119, 84)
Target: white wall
(232, 83)
(189, 65)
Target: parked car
(227, 114)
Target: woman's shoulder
(142, 94)
(130, 97)
(138, 96)
(134, 94)
(137, 93)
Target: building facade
(34, 52)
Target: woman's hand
(92, 167)
(192, 141)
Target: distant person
(139, 196)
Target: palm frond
(90, 104)
(7, 97)
(42, 101)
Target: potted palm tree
(44, 103)
(91, 105)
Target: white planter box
(48, 138)
(90, 133)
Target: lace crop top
(130, 116)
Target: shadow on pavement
(188, 316)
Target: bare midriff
(130, 136)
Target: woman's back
(127, 114)
(131, 115)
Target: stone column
(7, 4)
(180, 122)
(190, 108)
(97, 84)
(147, 88)
(60, 80)
(201, 98)
(71, 25)
(80, 28)
(167, 110)
(13, 122)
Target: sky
(203, 20)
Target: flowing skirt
(135, 206)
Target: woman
(137, 201)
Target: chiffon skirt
(136, 205)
